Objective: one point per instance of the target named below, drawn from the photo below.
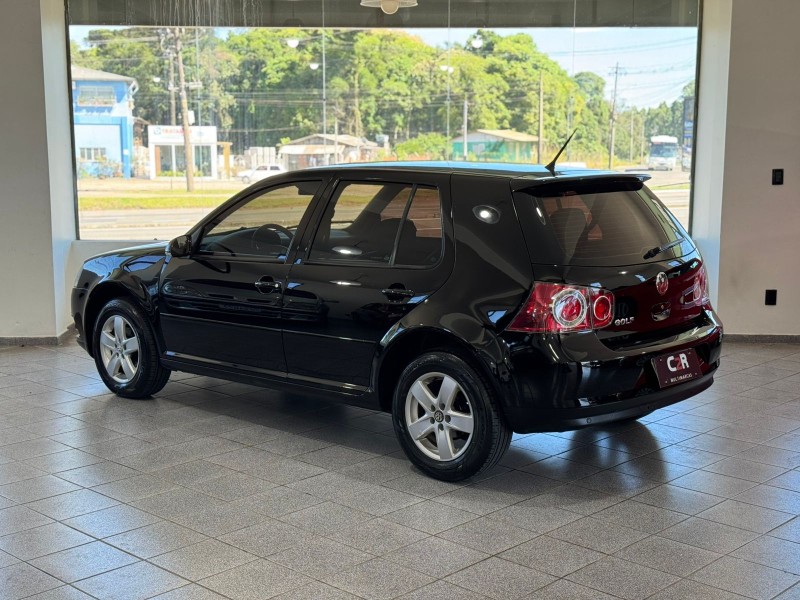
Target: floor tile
(377, 536)
(202, 560)
(441, 590)
(501, 579)
(551, 555)
(743, 577)
(487, 535)
(37, 488)
(111, 521)
(133, 582)
(255, 580)
(772, 552)
(320, 557)
(325, 518)
(378, 580)
(598, 535)
(435, 557)
(623, 578)
(746, 516)
(22, 580)
(667, 555)
(716, 537)
(20, 518)
(83, 561)
(32, 543)
(72, 504)
(158, 538)
(430, 517)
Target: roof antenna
(551, 166)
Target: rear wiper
(659, 249)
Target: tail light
(557, 308)
(698, 294)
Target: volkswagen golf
(469, 300)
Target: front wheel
(126, 353)
(447, 419)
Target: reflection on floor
(220, 490)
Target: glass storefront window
(282, 86)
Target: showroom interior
(217, 489)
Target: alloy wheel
(439, 416)
(119, 349)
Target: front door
(222, 305)
(378, 252)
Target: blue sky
(655, 63)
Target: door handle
(397, 293)
(267, 287)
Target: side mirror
(180, 246)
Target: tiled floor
(220, 490)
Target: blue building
(102, 108)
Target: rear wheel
(446, 418)
(126, 353)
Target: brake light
(698, 294)
(557, 308)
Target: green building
(503, 145)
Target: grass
(150, 200)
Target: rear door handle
(398, 292)
(267, 287)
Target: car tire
(438, 398)
(245, 180)
(126, 353)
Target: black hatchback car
(469, 300)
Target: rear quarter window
(596, 223)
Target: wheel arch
(408, 344)
(101, 295)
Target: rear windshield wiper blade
(659, 249)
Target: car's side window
(420, 242)
(263, 226)
(381, 223)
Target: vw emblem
(662, 283)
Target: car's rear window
(597, 223)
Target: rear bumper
(552, 391)
(566, 419)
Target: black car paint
(466, 301)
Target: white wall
(749, 124)
(34, 239)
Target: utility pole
(613, 120)
(540, 144)
(466, 126)
(630, 154)
(173, 119)
(187, 133)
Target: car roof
(530, 172)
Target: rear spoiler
(632, 181)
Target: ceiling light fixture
(293, 42)
(389, 6)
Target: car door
(378, 250)
(222, 304)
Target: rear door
(379, 249)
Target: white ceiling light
(293, 42)
(389, 6)
(477, 42)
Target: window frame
(331, 197)
(199, 231)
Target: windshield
(600, 224)
(664, 151)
